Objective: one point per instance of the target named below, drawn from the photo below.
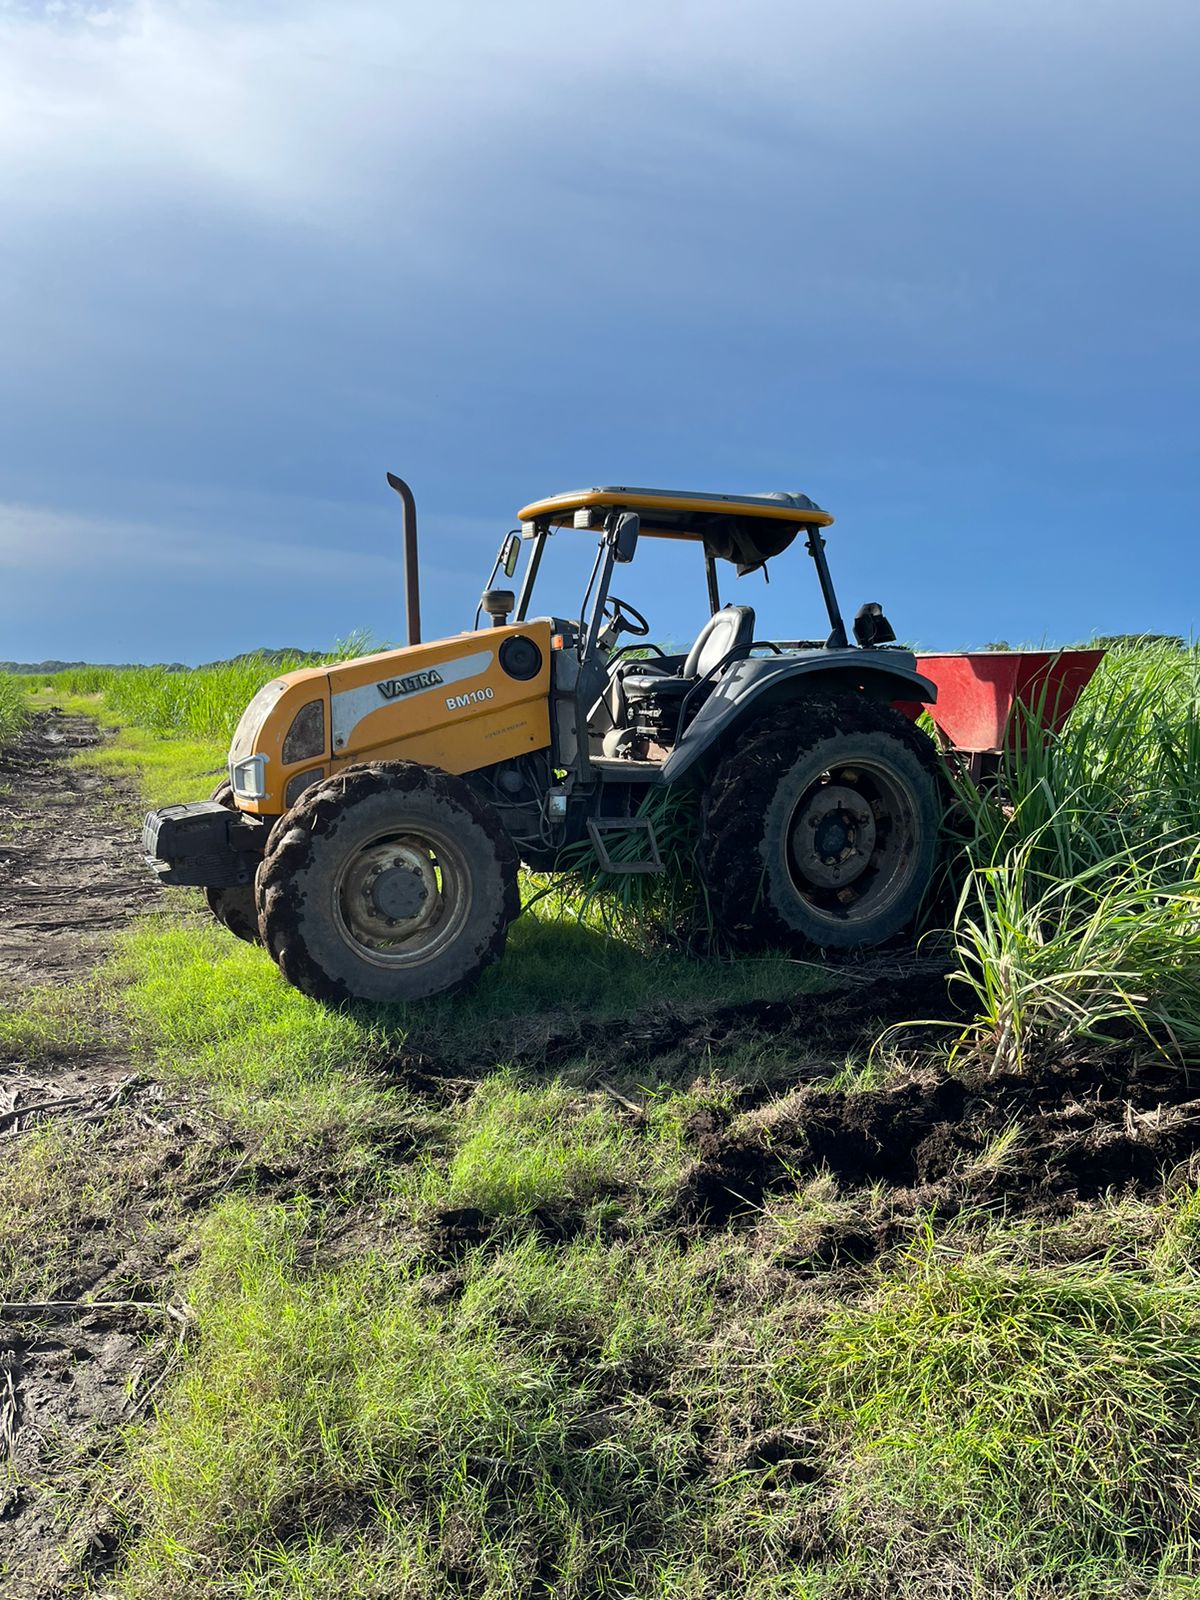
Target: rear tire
(821, 827)
(234, 908)
(387, 883)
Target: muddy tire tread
(742, 785)
(289, 852)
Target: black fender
(749, 687)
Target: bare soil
(67, 869)
(71, 1374)
(1038, 1142)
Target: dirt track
(67, 869)
(69, 873)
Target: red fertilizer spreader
(987, 698)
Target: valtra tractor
(377, 810)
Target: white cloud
(314, 110)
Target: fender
(756, 683)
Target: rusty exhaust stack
(412, 574)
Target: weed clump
(14, 709)
(1079, 912)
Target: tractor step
(597, 826)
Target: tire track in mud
(70, 1375)
(68, 869)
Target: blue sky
(933, 262)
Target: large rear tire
(234, 908)
(822, 827)
(387, 883)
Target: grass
(450, 1337)
(297, 1079)
(1050, 1417)
(670, 903)
(1079, 912)
(13, 707)
(606, 1418)
(338, 1433)
(548, 1149)
(1111, 952)
(203, 704)
(1126, 772)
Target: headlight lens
(306, 736)
(249, 777)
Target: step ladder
(650, 861)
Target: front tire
(387, 883)
(821, 827)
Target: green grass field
(457, 1326)
(13, 703)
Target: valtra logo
(392, 688)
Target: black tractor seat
(727, 632)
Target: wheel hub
(392, 892)
(833, 836)
(398, 893)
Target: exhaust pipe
(412, 574)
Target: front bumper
(204, 844)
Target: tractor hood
(461, 704)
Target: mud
(67, 872)
(808, 1031)
(809, 1036)
(71, 1375)
(1038, 1142)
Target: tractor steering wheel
(625, 618)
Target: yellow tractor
(377, 810)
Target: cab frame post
(816, 548)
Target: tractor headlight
(249, 777)
(306, 736)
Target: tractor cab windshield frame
(746, 530)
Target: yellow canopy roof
(746, 529)
(678, 513)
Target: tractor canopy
(747, 529)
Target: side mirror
(625, 536)
(511, 553)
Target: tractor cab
(635, 698)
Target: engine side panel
(456, 703)
(451, 704)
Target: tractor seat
(730, 629)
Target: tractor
(377, 811)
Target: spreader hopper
(979, 692)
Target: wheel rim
(852, 841)
(402, 897)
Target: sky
(932, 262)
